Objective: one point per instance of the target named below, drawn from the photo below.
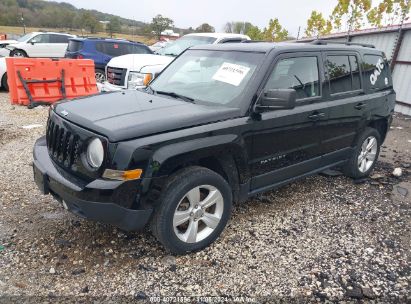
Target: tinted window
(59, 39)
(299, 73)
(74, 46)
(344, 74)
(42, 38)
(376, 72)
(232, 41)
(339, 74)
(118, 49)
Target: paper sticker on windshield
(231, 73)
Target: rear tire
(18, 53)
(193, 210)
(365, 155)
(4, 83)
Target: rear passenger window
(299, 73)
(376, 72)
(59, 39)
(118, 49)
(344, 73)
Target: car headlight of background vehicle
(136, 79)
(95, 153)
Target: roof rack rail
(325, 42)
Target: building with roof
(395, 42)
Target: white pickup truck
(137, 70)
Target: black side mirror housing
(277, 99)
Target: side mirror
(277, 99)
(33, 42)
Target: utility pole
(24, 25)
(298, 34)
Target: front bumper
(77, 197)
(4, 52)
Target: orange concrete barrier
(35, 81)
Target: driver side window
(42, 38)
(298, 73)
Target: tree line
(347, 15)
(354, 14)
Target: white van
(137, 70)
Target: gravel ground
(324, 238)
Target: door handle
(360, 106)
(316, 116)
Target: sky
(291, 13)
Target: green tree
(389, 12)
(351, 11)
(114, 26)
(255, 33)
(205, 28)
(160, 24)
(89, 22)
(317, 25)
(237, 27)
(275, 32)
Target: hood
(135, 62)
(132, 114)
(5, 42)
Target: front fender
(168, 158)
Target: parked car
(221, 123)
(136, 71)
(38, 44)
(159, 45)
(102, 50)
(3, 74)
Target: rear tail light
(80, 57)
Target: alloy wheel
(100, 77)
(198, 214)
(18, 54)
(368, 154)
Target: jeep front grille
(63, 146)
(116, 76)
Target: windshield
(180, 45)
(25, 37)
(209, 77)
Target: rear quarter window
(376, 72)
(74, 46)
(115, 49)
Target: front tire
(193, 210)
(365, 155)
(4, 83)
(18, 53)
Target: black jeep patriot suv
(220, 124)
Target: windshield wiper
(171, 54)
(175, 95)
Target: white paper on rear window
(231, 73)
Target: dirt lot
(322, 238)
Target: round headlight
(95, 153)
